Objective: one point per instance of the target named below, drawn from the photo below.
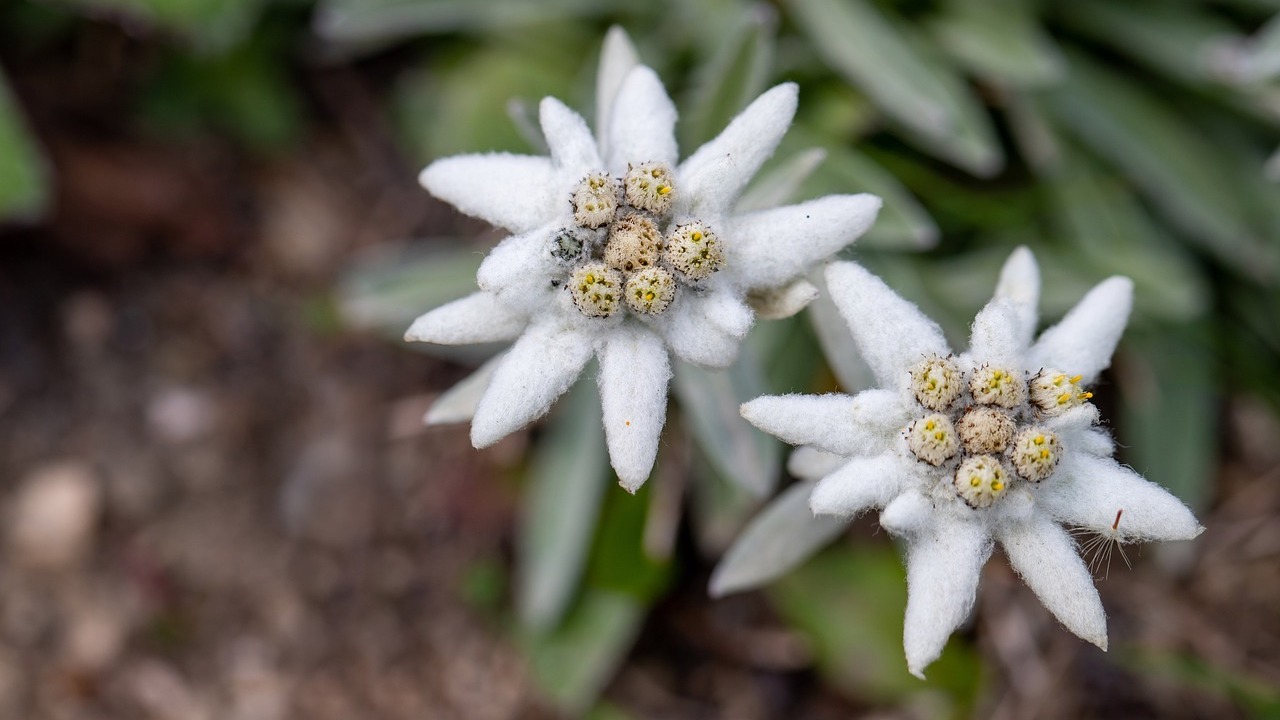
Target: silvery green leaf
(393, 284)
(778, 185)
(903, 223)
(1273, 167)
(1167, 158)
(573, 664)
(524, 115)
(1169, 397)
(718, 508)
(904, 78)
(458, 403)
(377, 22)
(24, 176)
(731, 77)
(710, 400)
(838, 345)
(999, 40)
(566, 481)
(781, 537)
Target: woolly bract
(857, 450)
(523, 291)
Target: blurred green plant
(24, 175)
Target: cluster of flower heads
(618, 252)
(623, 250)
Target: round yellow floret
(596, 289)
(1055, 392)
(694, 250)
(595, 200)
(634, 242)
(650, 291)
(932, 438)
(998, 386)
(649, 187)
(980, 481)
(936, 382)
(985, 430)
(1035, 454)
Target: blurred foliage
(1112, 138)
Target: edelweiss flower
(620, 252)
(1000, 443)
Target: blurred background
(219, 498)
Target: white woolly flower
(1011, 457)
(621, 251)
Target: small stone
(54, 515)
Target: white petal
(769, 247)
(892, 333)
(943, 566)
(842, 424)
(1094, 441)
(1083, 342)
(1074, 420)
(476, 318)
(642, 123)
(861, 484)
(1020, 283)
(707, 329)
(810, 463)
(713, 177)
(994, 336)
(783, 302)
(1089, 492)
(573, 149)
(634, 373)
(780, 538)
(516, 192)
(1046, 558)
(907, 514)
(458, 403)
(519, 271)
(542, 364)
(617, 57)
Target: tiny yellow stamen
(1076, 378)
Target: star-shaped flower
(621, 252)
(998, 444)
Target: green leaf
(998, 40)
(904, 79)
(710, 400)
(778, 539)
(1169, 392)
(573, 664)
(212, 26)
(837, 343)
(849, 602)
(719, 508)
(376, 23)
(778, 184)
(619, 561)
(566, 481)
(731, 78)
(24, 175)
(1166, 157)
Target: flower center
(618, 240)
(989, 437)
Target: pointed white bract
(996, 445)
(620, 251)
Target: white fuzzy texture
(947, 540)
(458, 403)
(540, 367)
(516, 271)
(476, 318)
(783, 302)
(892, 333)
(861, 484)
(617, 58)
(634, 374)
(771, 247)
(511, 191)
(943, 567)
(573, 148)
(1045, 556)
(1087, 491)
(712, 178)
(777, 540)
(707, 329)
(1020, 283)
(642, 123)
(1082, 343)
(810, 463)
(994, 336)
